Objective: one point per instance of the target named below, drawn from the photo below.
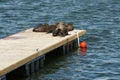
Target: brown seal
(61, 30)
(70, 26)
(50, 28)
(44, 28)
(57, 29)
(40, 28)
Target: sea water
(101, 19)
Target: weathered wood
(18, 49)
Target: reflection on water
(83, 51)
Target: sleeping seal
(44, 28)
(70, 27)
(61, 30)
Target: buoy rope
(78, 39)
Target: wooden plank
(18, 49)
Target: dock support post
(67, 45)
(67, 48)
(64, 49)
(71, 45)
(27, 69)
(75, 45)
(3, 77)
(37, 68)
(42, 58)
(32, 66)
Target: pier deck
(18, 49)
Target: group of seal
(57, 29)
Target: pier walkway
(18, 49)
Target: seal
(56, 32)
(44, 28)
(57, 29)
(40, 28)
(61, 30)
(50, 28)
(70, 26)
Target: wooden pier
(27, 48)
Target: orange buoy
(83, 44)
